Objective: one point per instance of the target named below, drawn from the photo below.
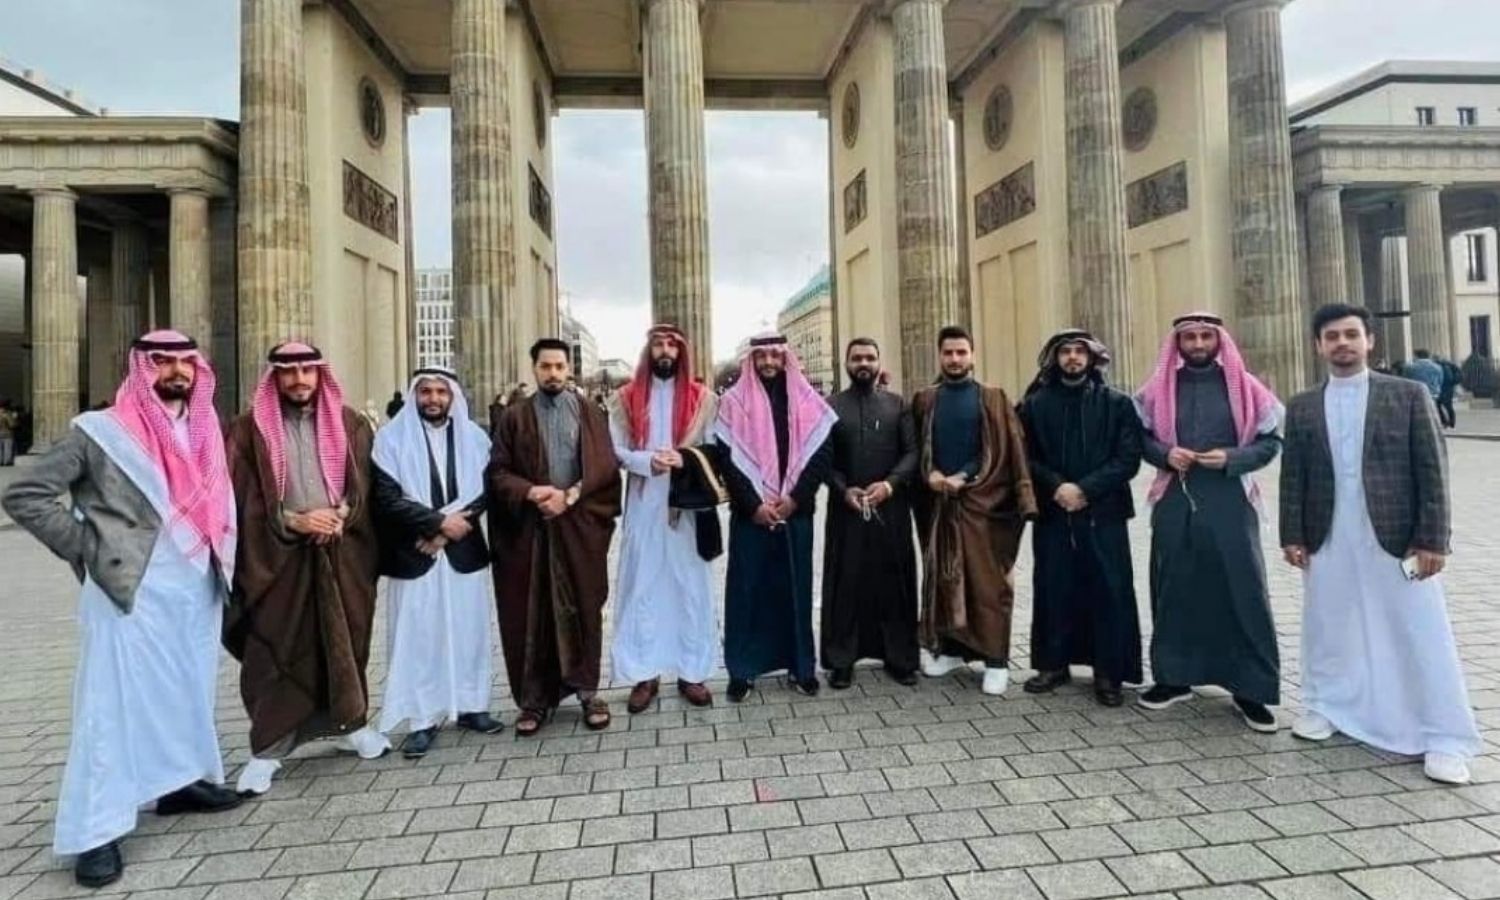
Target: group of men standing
(272, 543)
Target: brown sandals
(596, 715)
(530, 721)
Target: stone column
(1096, 178)
(484, 335)
(408, 283)
(223, 347)
(1428, 269)
(190, 256)
(1392, 300)
(275, 232)
(672, 50)
(130, 287)
(1264, 238)
(54, 314)
(1325, 239)
(926, 233)
(963, 296)
(1354, 266)
(100, 334)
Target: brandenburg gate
(1015, 165)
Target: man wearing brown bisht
(554, 494)
(979, 496)
(303, 603)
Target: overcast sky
(768, 197)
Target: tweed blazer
(110, 530)
(1405, 470)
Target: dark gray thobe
(1209, 603)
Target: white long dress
(664, 617)
(143, 699)
(1378, 656)
(438, 632)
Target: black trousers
(1445, 411)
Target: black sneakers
(1256, 716)
(100, 866)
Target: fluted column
(1325, 239)
(926, 230)
(99, 336)
(1392, 300)
(275, 232)
(223, 347)
(1096, 177)
(677, 192)
(130, 287)
(54, 314)
(1427, 274)
(1354, 259)
(484, 335)
(1264, 236)
(189, 256)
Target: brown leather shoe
(697, 694)
(642, 696)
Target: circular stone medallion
(851, 114)
(371, 112)
(999, 111)
(1138, 121)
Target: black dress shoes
(907, 677)
(808, 687)
(1107, 691)
(1047, 682)
(482, 722)
(418, 743)
(100, 866)
(840, 679)
(198, 797)
(739, 689)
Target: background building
(585, 348)
(806, 321)
(1396, 171)
(434, 290)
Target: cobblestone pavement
(880, 791)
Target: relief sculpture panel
(1157, 196)
(369, 204)
(1005, 201)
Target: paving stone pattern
(877, 792)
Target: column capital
(1244, 6)
(1423, 187)
(1061, 8)
(58, 191)
(174, 191)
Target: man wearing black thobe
(869, 570)
(1083, 443)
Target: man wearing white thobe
(1365, 515)
(664, 619)
(429, 494)
(151, 534)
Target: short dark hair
(1424, 354)
(550, 344)
(861, 342)
(954, 333)
(1332, 312)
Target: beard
(664, 367)
(862, 376)
(958, 375)
(435, 415)
(172, 390)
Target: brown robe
(300, 615)
(551, 577)
(969, 539)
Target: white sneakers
(367, 742)
(1446, 769)
(255, 777)
(995, 681)
(1311, 726)
(938, 666)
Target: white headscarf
(401, 446)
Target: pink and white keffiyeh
(197, 475)
(333, 443)
(1253, 405)
(746, 427)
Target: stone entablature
(1366, 155)
(118, 153)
